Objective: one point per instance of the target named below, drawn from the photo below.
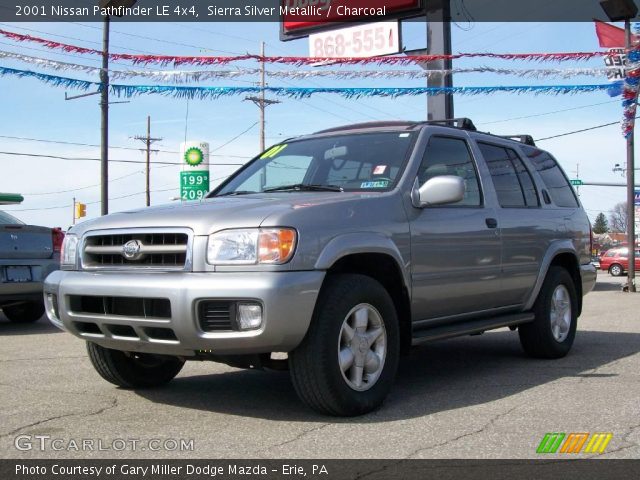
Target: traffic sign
(576, 182)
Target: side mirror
(440, 190)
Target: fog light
(249, 316)
(51, 303)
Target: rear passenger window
(451, 156)
(553, 177)
(512, 181)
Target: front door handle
(491, 223)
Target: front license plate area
(18, 274)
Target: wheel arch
(561, 254)
(379, 259)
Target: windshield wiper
(303, 187)
(238, 192)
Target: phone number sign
(380, 38)
(194, 185)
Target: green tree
(601, 224)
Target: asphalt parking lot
(471, 397)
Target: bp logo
(193, 156)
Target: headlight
(69, 250)
(250, 246)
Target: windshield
(356, 162)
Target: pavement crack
(38, 359)
(482, 429)
(113, 404)
(297, 437)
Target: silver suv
(331, 255)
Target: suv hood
(218, 213)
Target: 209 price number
(355, 43)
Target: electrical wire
(60, 157)
(62, 142)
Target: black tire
(25, 312)
(537, 338)
(616, 270)
(314, 366)
(133, 370)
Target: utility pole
(260, 100)
(104, 121)
(631, 224)
(439, 107)
(438, 20)
(148, 140)
(74, 211)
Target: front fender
(355, 243)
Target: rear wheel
(347, 362)
(616, 270)
(552, 332)
(24, 312)
(133, 370)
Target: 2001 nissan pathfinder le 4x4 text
(342, 249)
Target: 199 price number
(194, 185)
(362, 41)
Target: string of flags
(178, 60)
(194, 76)
(628, 88)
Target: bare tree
(618, 217)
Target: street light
(618, 10)
(104, 102)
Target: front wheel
(616, 270)
(133, 370)
(348, 360)
(25, 312)
(552, 332)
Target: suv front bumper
(287, 299)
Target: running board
(468, 328)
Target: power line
(579, 131)
(98, 201)
(83, 188)
(549, 113)
(62, 142)
(168, 42)
(233, 139)
(59, 157)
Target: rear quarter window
(555, 180)
(6, 219)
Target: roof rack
(462, 123)
(357, 126)
(526, 139)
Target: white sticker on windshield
(404, 135)
(379, 170)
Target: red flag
(609, 35)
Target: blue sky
(36, 110)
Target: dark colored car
(616, 261)
(28, 254)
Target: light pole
(618, 10)
(104, 102)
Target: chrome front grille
(136, 249)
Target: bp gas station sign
(194, 177)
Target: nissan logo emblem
(131, 249)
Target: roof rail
(462, 123)
(526, 139)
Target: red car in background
(615, 261)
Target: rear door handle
(491, 222)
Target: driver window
(451, 156)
